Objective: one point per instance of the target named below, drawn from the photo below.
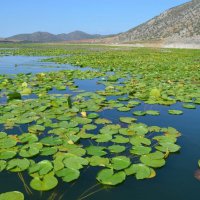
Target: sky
(91, 16)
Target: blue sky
(92, 16)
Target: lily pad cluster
(53, 131)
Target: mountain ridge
(49, 37)
(179, 22)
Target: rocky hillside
(48, 37)
(176, 23)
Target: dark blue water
(173, 182)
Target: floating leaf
(68, 174)
(98, 161)
(141, 171)
(47, 182)
(120, 162)
(18, 165)
(116, 148)
(96, 150)
(175, 112)
(153, 159)
(12, 195)
(127, 120)
(108, 177)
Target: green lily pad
(120, 139)
(120, 162)
(139, 113)
(175, 112)
(127, 120)
(30, 150)
(43, 167)
(18, 165)
(93, 116)
(7, 154)
(7, 142)
(103, 137)
(96, 150)
(3, 165)
(140, 150)
(189, 106)
(123, 109)
(108, 177)
(102, 121)
(141, 171)
(12, 195)
(152, 112)
(98, 161)
(47, 182)
(68, 174)
(153, 159)
(116, 148)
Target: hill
(174, 24)
(48, 37)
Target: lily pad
(120, 162)
(47, 182)
(108, 177)
(12, 195)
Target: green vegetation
(66, 130)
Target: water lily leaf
(26, 91)
(102, 137)
(110, 129)
(89, 127)
(189, 106)
(81, 120)
(51, 141)
(127, 120)
(43, 167)
(120, 162)
(68, 174)
(47, 182)
(152, 112)
(12, 195)
(3, 135)
(18, 165)
(98, 161)
(30, 150)
(47, 151)
(123, 109)
(153, 159)
(3, 165)
(93, 116)
(74, 162)
(7, 154)
(120, 139)
(7, 142)
(108, 177)
(168, 147)
(28, 138)
(102, 121)
(96, 150)
(140, 129)
(139, 113)
(175, 112)
(140, 150)
(36, 128)
(141, 171)
(116, 148)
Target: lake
(173, 181)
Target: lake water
(31, 64)
(173, 182)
